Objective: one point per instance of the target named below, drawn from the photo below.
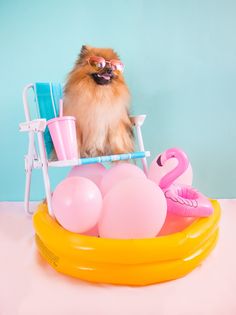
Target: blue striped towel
(47, 97)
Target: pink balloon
(175, 223)
(156, 172)
(119, 172)
(133, 208)
(94, 172)
(77, 204)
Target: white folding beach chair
(47, 97)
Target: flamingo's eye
(158, 161)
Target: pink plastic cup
(63, 133)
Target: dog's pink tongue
(106, 77)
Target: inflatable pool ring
(126, 262)
(181, 199)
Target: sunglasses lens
(117, 66)
(97, 63)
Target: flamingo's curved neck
(181, 167)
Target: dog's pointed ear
(84, 50)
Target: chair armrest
(36, 125)
(137, 120)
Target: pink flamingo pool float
(182, 200)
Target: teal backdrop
(180, 59)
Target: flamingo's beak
(158, 161)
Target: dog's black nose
(109, 71)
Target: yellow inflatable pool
(125, 262)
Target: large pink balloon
(94, 172)
(119, 172)
(133, 208)
(175, 223)
(77, 204)
(156, 172)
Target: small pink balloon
(94, 172)
(156, 172)
(117, 173)
(133, 208)
(175, 223)
(77, 204)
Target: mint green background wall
(180, 59)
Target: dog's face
(101, 65)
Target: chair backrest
(47, 97)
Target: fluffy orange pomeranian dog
(97, 96)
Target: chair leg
(47, 188)
(141, 147)
(28, 171)
(46, 180)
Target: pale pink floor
(28, 286)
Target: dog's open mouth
(102, 78)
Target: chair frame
(38, 159)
